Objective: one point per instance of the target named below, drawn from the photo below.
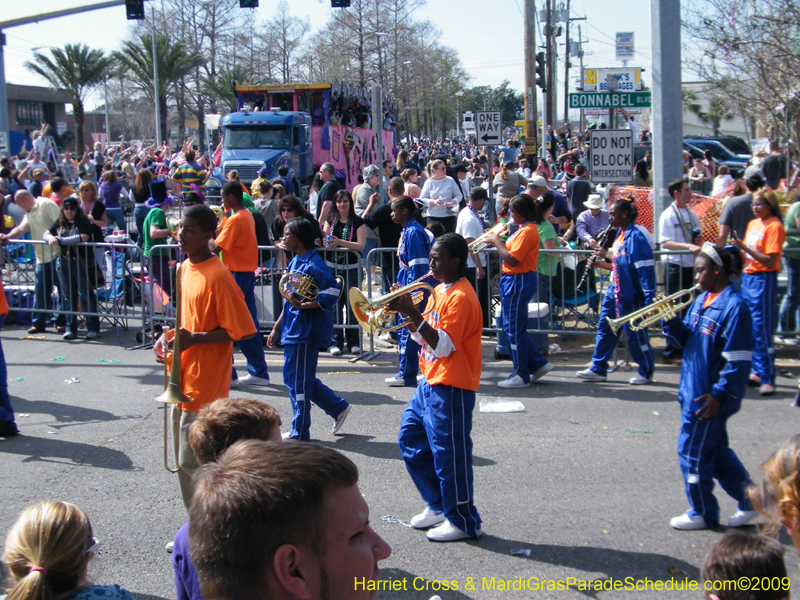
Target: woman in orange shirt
(520, 256)
(761, 250)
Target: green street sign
(610, 100)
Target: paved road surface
(566, 479)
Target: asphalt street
(583, 481)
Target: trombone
(374, 315)
(480, 243)
(665, 308)
(172, 386)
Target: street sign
(611, 155)
(4, 142)
(488, 125)
(630, 80)
(611, 100)
(625, 46)
(597, 112)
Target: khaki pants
(181, 420)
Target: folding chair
(20, 262)
(581, 303)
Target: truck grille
(248, 172)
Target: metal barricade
(88, 281)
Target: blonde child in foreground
(47, 555)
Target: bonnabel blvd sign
(610, 100)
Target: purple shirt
(186, 583)
(109, 194)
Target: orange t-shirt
(3, 302)
(458, 312)
(47, 191)
(210, 299)
(524, 246)
(709, 299)
(766, 237)
(238, 242)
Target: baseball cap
(537, 181)
(751, 172)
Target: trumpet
(374, 315)
(172, 386)
(296, 284)
(665, 308)
(480, 243)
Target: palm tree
(220, 88)
(174, 62)
(76, 69)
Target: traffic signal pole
(531, 131)
(5, 142)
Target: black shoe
(8, 431)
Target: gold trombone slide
(172, 386)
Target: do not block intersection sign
(488, 127)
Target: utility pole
(665, 27)
(566, 68)
(582, 123)
(551, 66)
(531, 126)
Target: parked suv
(722, 154)
(733, 143)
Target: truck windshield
(260, 138)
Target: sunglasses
(70, 208)
(93, 547)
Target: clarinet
(602, 237)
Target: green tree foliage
(77, 69)
(174, 61)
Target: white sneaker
(427, 518)
(395, 381)
(420, 377)
(590, 375)
(743, 517)
(235, 383)
(355, 350)
(542, 371)
(791, 341)
(335, 351)
(93, 335)
(447, 532)
(253, 380)
(169, 546)
(639, 380)
(286, 435)
(687, 523)
(339, 421)
(513, 383)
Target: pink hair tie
(41, 570)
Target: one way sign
(488, 124)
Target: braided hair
(456, 247)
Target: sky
(489, 41)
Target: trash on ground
(500, 405)
(20, 379)
(554, 348)
(108, 360)
(521, 552)
(656, 413)
(58, 358)
(23, 415)
(72, 380)
(629, 430)
(391, 519)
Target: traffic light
(248, 3)
(340, 3)
(134, 10)
(541, 78)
